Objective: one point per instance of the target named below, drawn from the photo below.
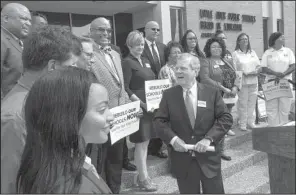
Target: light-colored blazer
(106, 77)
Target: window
(58, 19)
(280, 25)
(177, 23)
(265, 33)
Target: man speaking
(193, 113)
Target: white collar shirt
(150, 47)
(193, 96)
(278, 60)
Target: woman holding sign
(220, 73)
(246, 61)
(278, 63)
(137, 70)
(62, 115)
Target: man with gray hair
(205, 121)
(15, 26)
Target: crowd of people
(57, 89)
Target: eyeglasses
(182, 68)
(155, 29)
(102, 30)
(244, 39)
(191, 38)
(216, 48)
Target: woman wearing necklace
(171, 54)
(219, 73)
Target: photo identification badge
(202, 104)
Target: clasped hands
(180, 146)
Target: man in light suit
(15, 26)
(108, 70)
(154, 52)
(193, 113)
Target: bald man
(15, 26)
(154, 52)
(108, 70)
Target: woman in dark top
(190, 44)
(64, 111)
(220, 73)
(137, 70)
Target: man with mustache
(15, 26)
(107, 68)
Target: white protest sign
(125, 121)
(153, 92)
(230, 99)
(272, 90)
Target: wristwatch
(209, 138)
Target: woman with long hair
(171, 54)
(220, 73)
(64, 111)
(190, 45)
(246, 60)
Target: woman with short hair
(171, 54)
(64, 111)
(278, 62)
(246, 60)
(137, 70)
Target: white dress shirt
(193, 96)
(150, 47)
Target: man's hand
(234, 91)
(179, 145)
(140, 113)
(202, 145)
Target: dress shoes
(160, 154)
(129, 166)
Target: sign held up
(125, 121)
(153, 92)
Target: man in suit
(154, 52)
(193, 113)
(41, 54)
(108, 70)
(15, 26)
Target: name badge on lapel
(147, 65)
(216, 66)
(202, 104)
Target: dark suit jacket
(11, 62)
(214, 121)
(147, 54)
(135, 76)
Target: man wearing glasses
(154, 52)
(107, 68)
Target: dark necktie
(21, 44)
(189, 108)
(155, 57)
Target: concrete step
(243, 156)
(251, 180)
(248, 181)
